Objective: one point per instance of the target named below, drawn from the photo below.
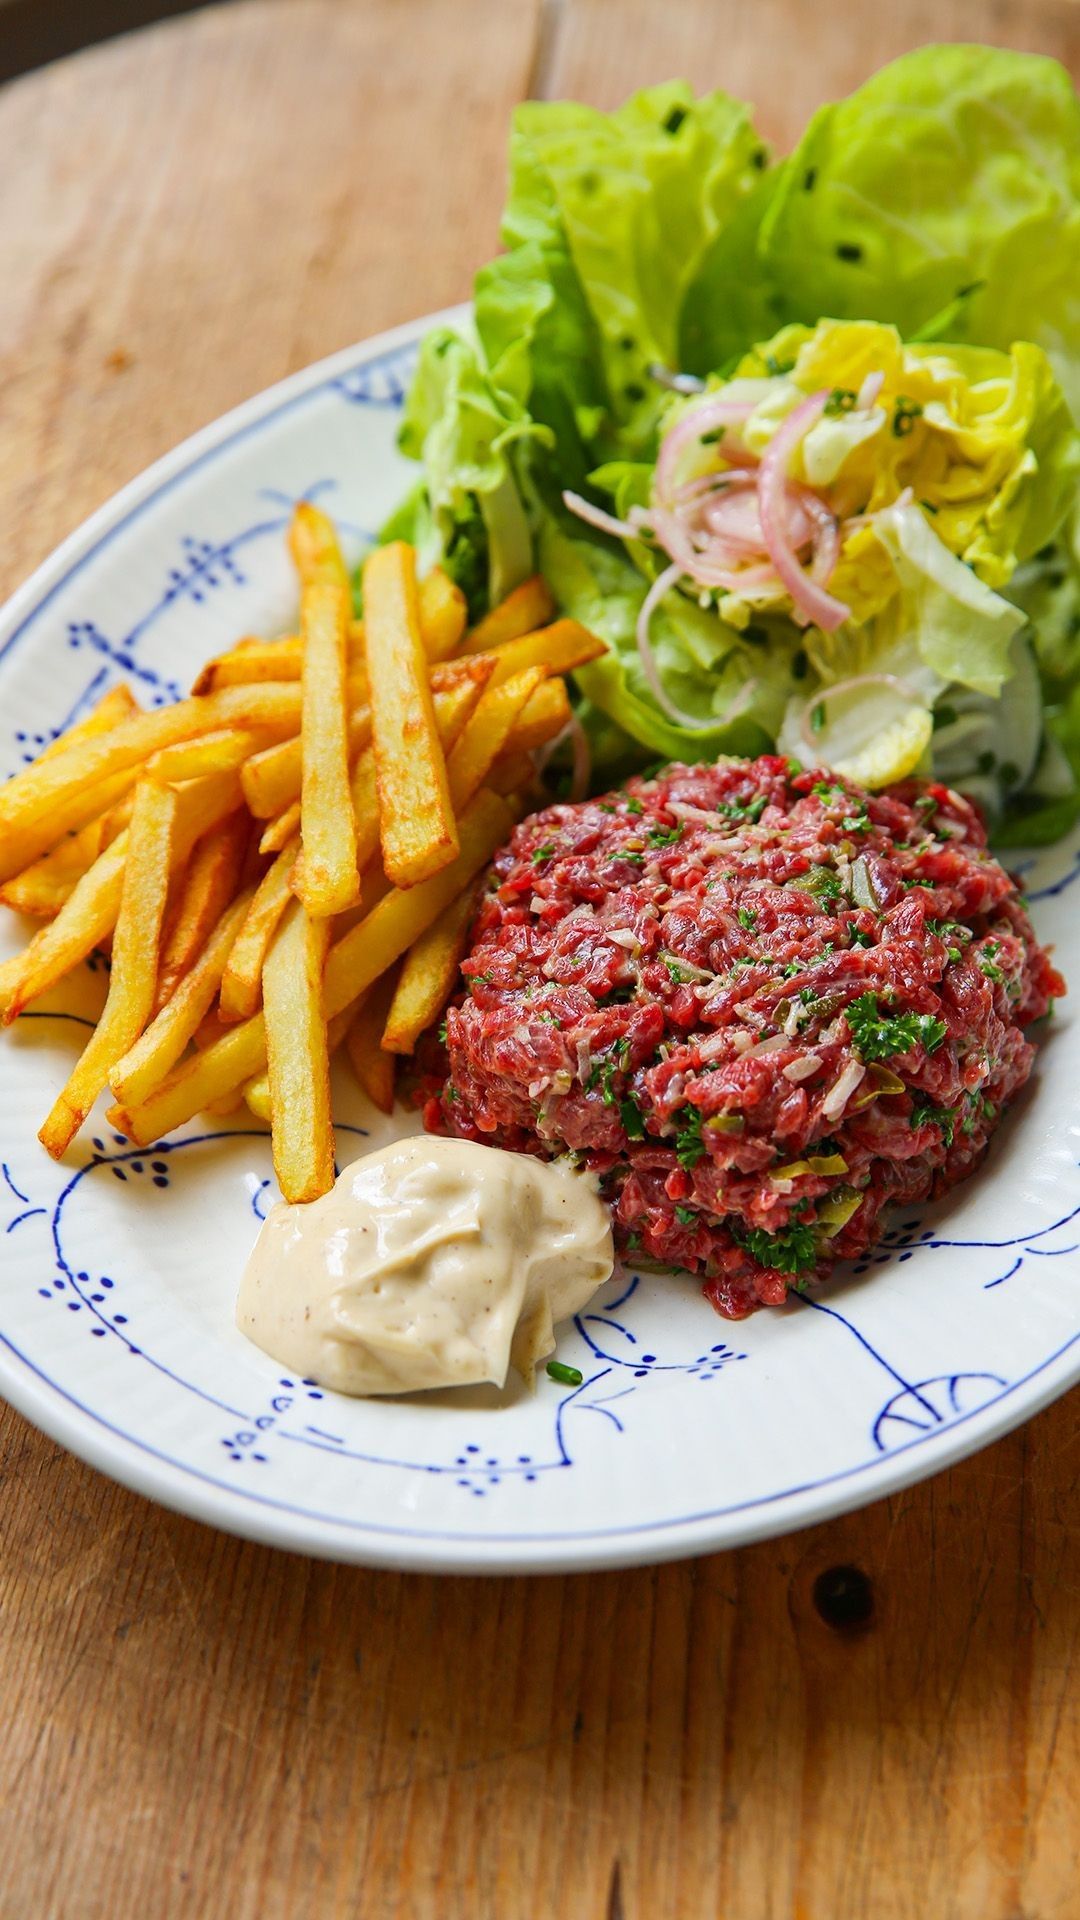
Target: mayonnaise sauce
(431, 1263)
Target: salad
(797, 438)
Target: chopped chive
(565, 1376)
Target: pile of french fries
(286, 862)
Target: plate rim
(182, 1488)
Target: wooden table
(196, 1727)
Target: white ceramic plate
(689, 1433)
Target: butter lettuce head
(607, 220)
(947, 186)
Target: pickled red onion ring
(808, 596)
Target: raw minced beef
(762, 1004)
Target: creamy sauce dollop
(430, 1263)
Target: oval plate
(688, 1433)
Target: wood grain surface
(193, 1727)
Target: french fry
(487, 733)
(209, 883)
(116, 705)
(241, 981)
(511, 773)
(374, 1068)
(429, 974)
(194, 1084)
(272, 778)
(257, 1090)
(313, 543)
(297, 1057)
(206, 753)
(398, 919)
(251, 661)
(559, 648)
(134, 963)
(41, 804)
(89, 914)
(454, 711)
(41, 888)
(353, 963)
(328, 881)
(442, 610)
(418, 831)
(281, 832)
(158, 1049)
(528, 607)
(545, 715)
(257, 1095)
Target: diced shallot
(842, 1089)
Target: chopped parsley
(632, 859)
(665, 836)
(442, 1032)
(543, 853)
(747, 919)
(678, 977)
(828, 790)
(689, 1147)
(632, 1118)
(879, 1035)
(752, 811)
(686, 1216)
(924, 1113)
(479, 980)
(856, 822)
(792, 1250)
(860, 938)
(632, 804)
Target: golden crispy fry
(374, 1068)
(442, 610)
(272, 778)
(511, 773)
(89, 914)
(399, 918)
(328, 881)
(429, 974)
(297, 1057)
(546, 714)
(116, 705)
(190, 1087)
(354, 962)
(560, 647)
(529, 606)
(281, 832)
(228, 1104)
(134, 963)
(419, 834)
(250, 662)
(158, 1049)
(487, 733)
(313, 543)
(209, 883)
(257, 1095)
(453, 711)
(257, 1090)
(207, 753)
(241, 982)
(41, 804)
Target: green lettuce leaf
(951, 180)
(704, 665)
(470, 515)
(608, 218)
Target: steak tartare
(760, 1003)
